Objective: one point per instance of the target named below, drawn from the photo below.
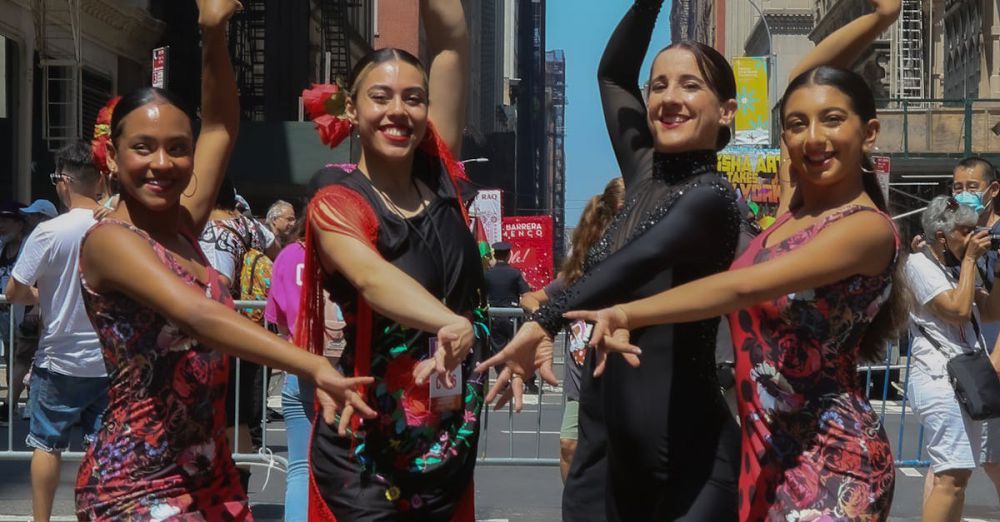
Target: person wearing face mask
(947, 318)
(12, 226)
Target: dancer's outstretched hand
(214, 13)
(531, 348)
(454, 341)
(337, 393)
(610, 334)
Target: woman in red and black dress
(390, 239)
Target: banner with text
(753, 112)
(753, 172)
(487, 208)
(531, 241)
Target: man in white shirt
(69, 384)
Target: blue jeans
(297, 408)
(58, 402)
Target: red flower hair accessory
(326, 105)
(102, 135)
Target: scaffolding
(57, 26)
(909, 39)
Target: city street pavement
(503, 493)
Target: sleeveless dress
(415, 461)
(161, 452)
(812, 446)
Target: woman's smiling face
(683, 112)
(825, 136)
(154, 155)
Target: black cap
(502, 246)
(11, 209)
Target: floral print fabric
(161, 452)
(813, 449)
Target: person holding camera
(945, 321)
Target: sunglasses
(951, 204)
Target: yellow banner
(753, 172)
(753, 114)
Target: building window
(97, 90)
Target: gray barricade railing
(523, 433)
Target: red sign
(531, 241)
(161, 56)
(883, 166)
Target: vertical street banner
(531, 247)
(161, 58)
(753, 112)
(487, 209)
(883, 166)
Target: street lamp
(475, 160)
(772, 66)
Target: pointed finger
(613, 344)
(353, 382)
(423, 371)
(345, 420)
(598, 334)
(517, 387)
(329, 411)
(602, 359)
(502, 380)
(498, 359)
(546, 373)
(505, 397)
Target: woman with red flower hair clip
(162, 315)
(390, 239)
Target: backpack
(254, 278)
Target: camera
(994, 238)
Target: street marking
(494, 520)
(530, 432)
(911, 472)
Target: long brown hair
(895, 312)
(597, 215)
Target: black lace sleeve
(702, 226)
(618, 78)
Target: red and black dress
(813, 447)
(412, 462)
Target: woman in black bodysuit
(672, 446)
(671, 450)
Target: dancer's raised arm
(618, 77)
(220, 112)
(448, 41)
(843, 46)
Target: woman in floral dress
(807, 302)
(161, 312)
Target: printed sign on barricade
(531, 241)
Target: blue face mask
(973, 200)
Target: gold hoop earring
(195, 191)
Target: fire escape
(246, 46)
(910, 54)
(57, 24)
(335, 27)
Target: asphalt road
(503, 493)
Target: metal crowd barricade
(893, 372)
